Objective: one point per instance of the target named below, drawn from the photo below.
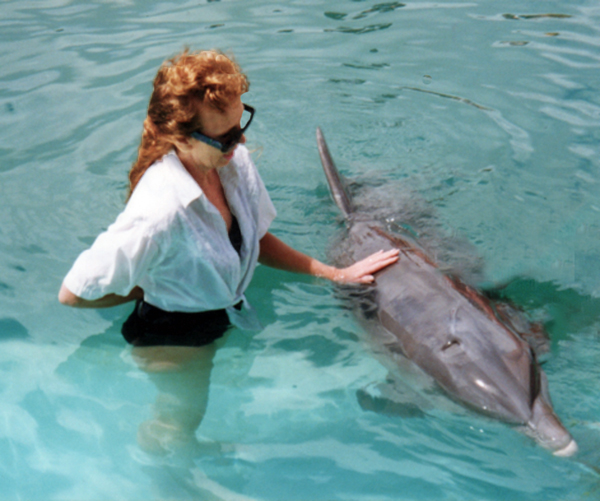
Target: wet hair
(181, 84)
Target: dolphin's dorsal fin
(338, 192)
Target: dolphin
(451, 331)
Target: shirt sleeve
(115, 262)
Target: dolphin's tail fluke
(338, 192)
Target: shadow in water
(11, 328)
(563, 311)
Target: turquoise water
(486, 112)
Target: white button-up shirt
(173, 243)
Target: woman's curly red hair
(190, 78)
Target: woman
(195, 226)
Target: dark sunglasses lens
(231, 141)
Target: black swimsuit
(150, 326)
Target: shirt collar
(186, 188)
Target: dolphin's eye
(450, 344)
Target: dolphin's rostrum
(450, 330)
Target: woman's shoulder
(160, 175)
(162, 191)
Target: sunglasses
(227, 141)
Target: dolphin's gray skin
(450, 330)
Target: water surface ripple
(474, 124)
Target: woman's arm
(66, 297)
(275, 253)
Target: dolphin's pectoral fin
(515, 318)
(533, 332)
(384, 398)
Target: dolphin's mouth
(562, 445)
(546, 429)
(567, 451)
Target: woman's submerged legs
(182, 377)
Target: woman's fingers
(381, 259)
(362, 271)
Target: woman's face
(198, 155)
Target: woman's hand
(362, 272)
(274, 253)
